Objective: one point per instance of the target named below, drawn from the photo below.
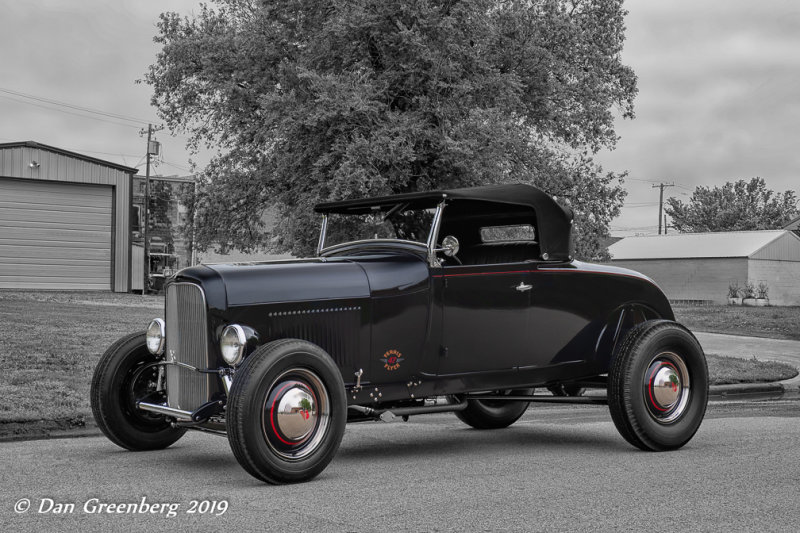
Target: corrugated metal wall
(784, 248)
(55, 235)
(15, 162)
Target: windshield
(395, 223)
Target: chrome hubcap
(667, 387)
(296, 414)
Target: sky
(719, 91)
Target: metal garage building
(700, 266)
(64, 220)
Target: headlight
(232, 344)
(155, 337)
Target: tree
(334, 99)
(736, 206)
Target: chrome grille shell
(187, 342)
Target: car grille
(187, 342)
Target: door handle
(522, 287)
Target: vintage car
(456, 301)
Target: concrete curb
(787, 389)
(35, 430)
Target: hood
(279, 281)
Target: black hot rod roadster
(448, 301)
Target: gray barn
(700, 266)
(64, 220)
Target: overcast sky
(719, 90)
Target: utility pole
(661, 202)
(152, 149)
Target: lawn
(50, 343)
(772, 322)
(725, 370)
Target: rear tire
(658, 386)
(495, 414)
(286, 412)
(120, 379)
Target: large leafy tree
(736, 206)
(321, 100)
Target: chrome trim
(297, 413)
(297, 379)
(241, 339)
(227, 381)
(433, 236)
(163, 409)
(668, 387)
(450, 246)
(370, 241)
(161, 331)
(322, 233)
(187, 347)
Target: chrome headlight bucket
(232, 344)
(155, 338)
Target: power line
(176, 166)
(74, 106)
(644, 181)
(69, 112)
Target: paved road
(561, 468)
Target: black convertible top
(554, 221)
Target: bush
(734, 290)
(749, 290)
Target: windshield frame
(429, 245)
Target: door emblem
(391, 360)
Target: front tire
(658, 386)
(495, 414)
(122, 377)
(286, 412)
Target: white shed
(701, 266)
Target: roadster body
(462, 300)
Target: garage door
(54, 235)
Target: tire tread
(621, 373)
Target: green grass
(50, 343)
(772, 322)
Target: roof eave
(68, 153)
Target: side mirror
(449, 246)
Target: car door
(485, 317)
(563, 302)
